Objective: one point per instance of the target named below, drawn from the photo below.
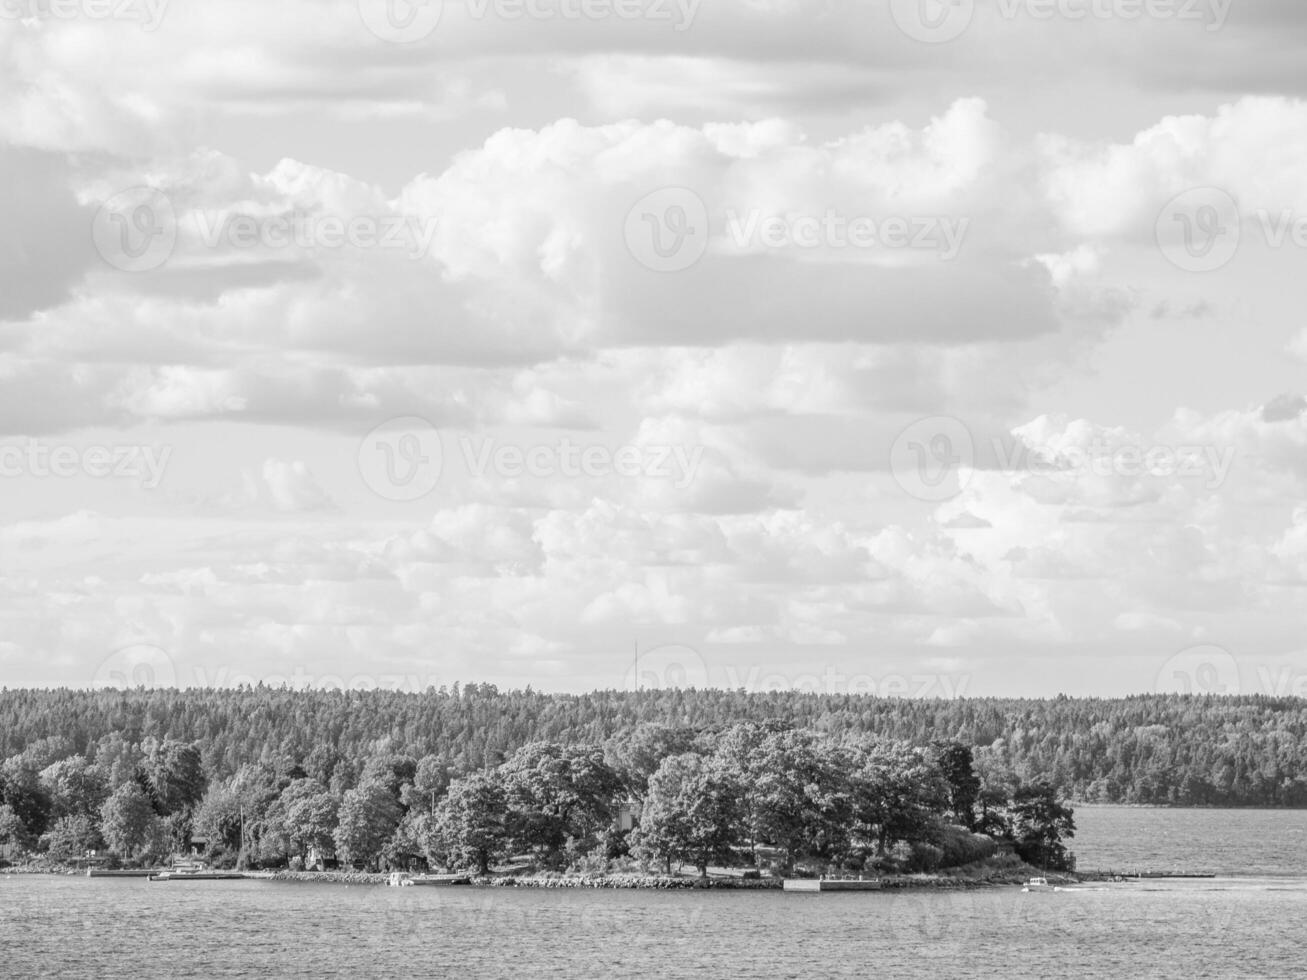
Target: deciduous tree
(692, 813)
(369, 815)
(128, 822)
(469, 823)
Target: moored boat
(195, 871)
(405, 879)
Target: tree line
(1158, 749)
(752, 795)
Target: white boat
(197, 871)
(404, 879)
(1037, 885)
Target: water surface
(1247, 926)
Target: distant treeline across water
(1153, 749)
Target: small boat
(404, 879)
(1037, 885)
(194, 871)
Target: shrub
(925, 857)
(959, 846)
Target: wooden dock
(831, 884)
(202, 876)
(130, 873)
(1138, 875)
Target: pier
(129, 873)
(831, 884)
(1139, 875)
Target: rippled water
(1228, 842)
(1230, 927)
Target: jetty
(128, 873)
(831, 884)
(1140, 875)
(203, 876)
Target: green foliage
(960, 846)
(75, 787)
(129, 824)
(957, 765)
(637, 754)
(897, 792)
(824, 780)
(173, 773)
(469, 826)
(691, 813)
(14, 835)
(1156, 749)
(1040, 824)
(311, 823)
(218, 818)
(369, 816)
(799, 798)
(22, 792)
(430, 783)
(72, 837)
(556, 792)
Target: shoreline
(959, 878)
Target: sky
(903, 347)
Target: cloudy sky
(904, 347)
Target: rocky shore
(626, 881)
(998, 871)
(332, 877)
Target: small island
(655, 805)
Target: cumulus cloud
(357, 232)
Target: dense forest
(1156, 749)
(472, 776)
(766, 796)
